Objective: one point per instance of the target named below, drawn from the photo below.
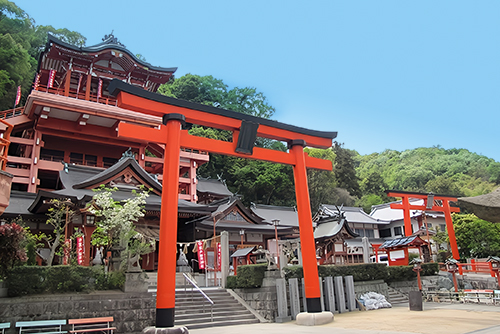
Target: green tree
(21, 41)
(59, 216)
(345, 170)
(115, 223)
(12, 252)
(476, 237)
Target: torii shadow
(245, 129)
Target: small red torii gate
(245, 129)
(432, 202)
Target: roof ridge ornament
(128, 154)
(111, 39)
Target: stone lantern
(417, 267)
(452, 267)
(495, 266)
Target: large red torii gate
(245, 129)
(432, 202)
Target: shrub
(366, 271)
(12, 252)
(359, 272)
(249, 276)
(429, 269)
(108, 281)
(26, 280)
(29, 280)
(69, 278)
(400, 273)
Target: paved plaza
(437, 318)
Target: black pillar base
(313, 305)
(165, 317)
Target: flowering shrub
(12, 251)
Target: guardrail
(193, 284)
(472, 267)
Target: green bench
(41, 326)
(4, 326)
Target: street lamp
(452, 267)
(495, 266)
(242, 235)
(276, 222)
(417, 267)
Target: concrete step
(396, 297)
(195, 311)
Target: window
(442, 227)
(397, 231)
(385, 233)
(359, 231)
(108, 162)
(90, 160)
(76, 158)
(51, 155)
(369, 233)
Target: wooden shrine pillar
(167, 252)
(310, 266)
(451, 230)
(407, 217)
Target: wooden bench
(91, 325)
(478, 295)
(41, 326)
(4, 326)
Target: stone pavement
(441, 318)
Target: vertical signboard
(79, 250)
(201, 255)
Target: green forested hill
(455, 171)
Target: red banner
(18, 96)
(67, 251)
(79, 250)
(219, 256)
(201, 255)
(52, 76)
(99, 89)
(37, 82)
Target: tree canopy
(476, 237)
(21, 41)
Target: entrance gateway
(245, 129)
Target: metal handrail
(193, 283)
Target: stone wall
(263, 299)
(378, 286)
(132, 312)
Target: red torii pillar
(174, 113)
(445, 208)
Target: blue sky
(384, 74)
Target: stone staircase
(396, 297)
(194, 311)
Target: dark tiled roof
(405, 241)
(215, 187)
(286, 215)
(96, 180)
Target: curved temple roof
(109, 43)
